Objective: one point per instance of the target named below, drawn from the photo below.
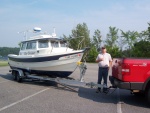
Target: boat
(46, 54)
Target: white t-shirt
(106, 59)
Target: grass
(3, 63)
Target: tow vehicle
(132, 74)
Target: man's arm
(98, 60)
(110, 63)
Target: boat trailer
(19, 75)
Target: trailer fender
(21, 74)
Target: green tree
(112, 37)
(145, 35)
(148, 31)
(80, 37)
(97, 39)
(130, 38)
(111, 42)
(115, 51)
(92, 54)
(4, 51)
(141, 49)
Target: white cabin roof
(41, 37)
(45, 36)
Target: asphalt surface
(48, 97)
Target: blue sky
(64, 15)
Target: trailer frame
(19, 76)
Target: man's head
(103, 49)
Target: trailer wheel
(19, 79)
(14, 75)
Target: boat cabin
(43, 44)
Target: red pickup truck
(132, 74)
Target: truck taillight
(125, 69)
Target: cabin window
(54, 44)
(31, 45)
(23, 46)
(62, 44)
(43, 44)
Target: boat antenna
(54, 34)
(24, 33)
(35, 30)
(54, 29)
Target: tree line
(4, 51)
(127, 44)
(119, 43)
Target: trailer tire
(19, 79)
(14, 75)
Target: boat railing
(67, 47)
(80, 43)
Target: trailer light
(125, 69)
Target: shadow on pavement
(133, 100)
(125, 97)
(52, 84)
(7, 76)
(91, 94)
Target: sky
(64, 15)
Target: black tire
(148, 94)
(14, 75)
(19, 79)
(139, 94)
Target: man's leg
(105, 75)
(99, 75)
(99, 78)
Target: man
(104, 62)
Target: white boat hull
(61, 67)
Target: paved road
(41, 97)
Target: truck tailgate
(131, 69)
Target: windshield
(54, 44)
(31, 45)
(23, 46)
(62, 44)
(43, 44)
